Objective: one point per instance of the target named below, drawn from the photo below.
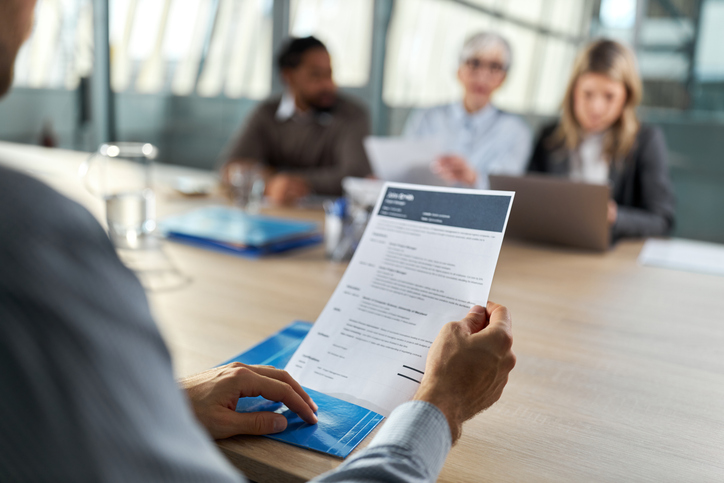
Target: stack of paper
(687, 255)
(233, 231)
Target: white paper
(687, 255)
(416, 268)
(404, 160)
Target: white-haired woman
(478, 139)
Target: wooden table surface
(620, 373)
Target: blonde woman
(599, 139)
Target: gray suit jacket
(87, 391)
(641, 186)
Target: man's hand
(215, 393)
(285, 189)
(455, 169)
(468, 365)
(237, 165)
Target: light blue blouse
(491, 140)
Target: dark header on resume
(461, 210)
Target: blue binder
(232, 231)
(251, 252)
(342, 425)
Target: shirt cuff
(420, 429)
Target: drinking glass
(246, 182)
(121, 174)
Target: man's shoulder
(268, 107)
(349, 107)
(28, 205)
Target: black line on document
(406, 377)
(413, 369)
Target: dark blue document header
(462, 210)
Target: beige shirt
(321, 147)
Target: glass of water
(246, 183)
(122, 175)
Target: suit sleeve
(411, 447)
(87, 377)
(655, 216)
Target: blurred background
(183, 74)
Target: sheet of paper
(404, 160)
(687, 255)
(428, 254)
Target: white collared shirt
(287, 107)
(588, 163)
(288, 110)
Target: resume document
(428, 255)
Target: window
(345, 27)
(59, 50)
(209, 47)
(426, 37)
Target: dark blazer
(640, 185)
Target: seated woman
(478, 138)
(599, 139)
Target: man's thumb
(476, 320)
(263, 422)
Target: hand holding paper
(428, 255)
(468, 365)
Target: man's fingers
(498, 327)
(499, 316)
(283, 376)
(253, 384)
(257, 423)
(476, 320)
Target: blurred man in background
(309, 138)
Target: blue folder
(245, 251)
(233, 231)
(342, 425)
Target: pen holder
(344, 225)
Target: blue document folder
(342, 425)
(233, 231)
(245, 251)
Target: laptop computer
(557, 211)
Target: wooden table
(620, 373)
